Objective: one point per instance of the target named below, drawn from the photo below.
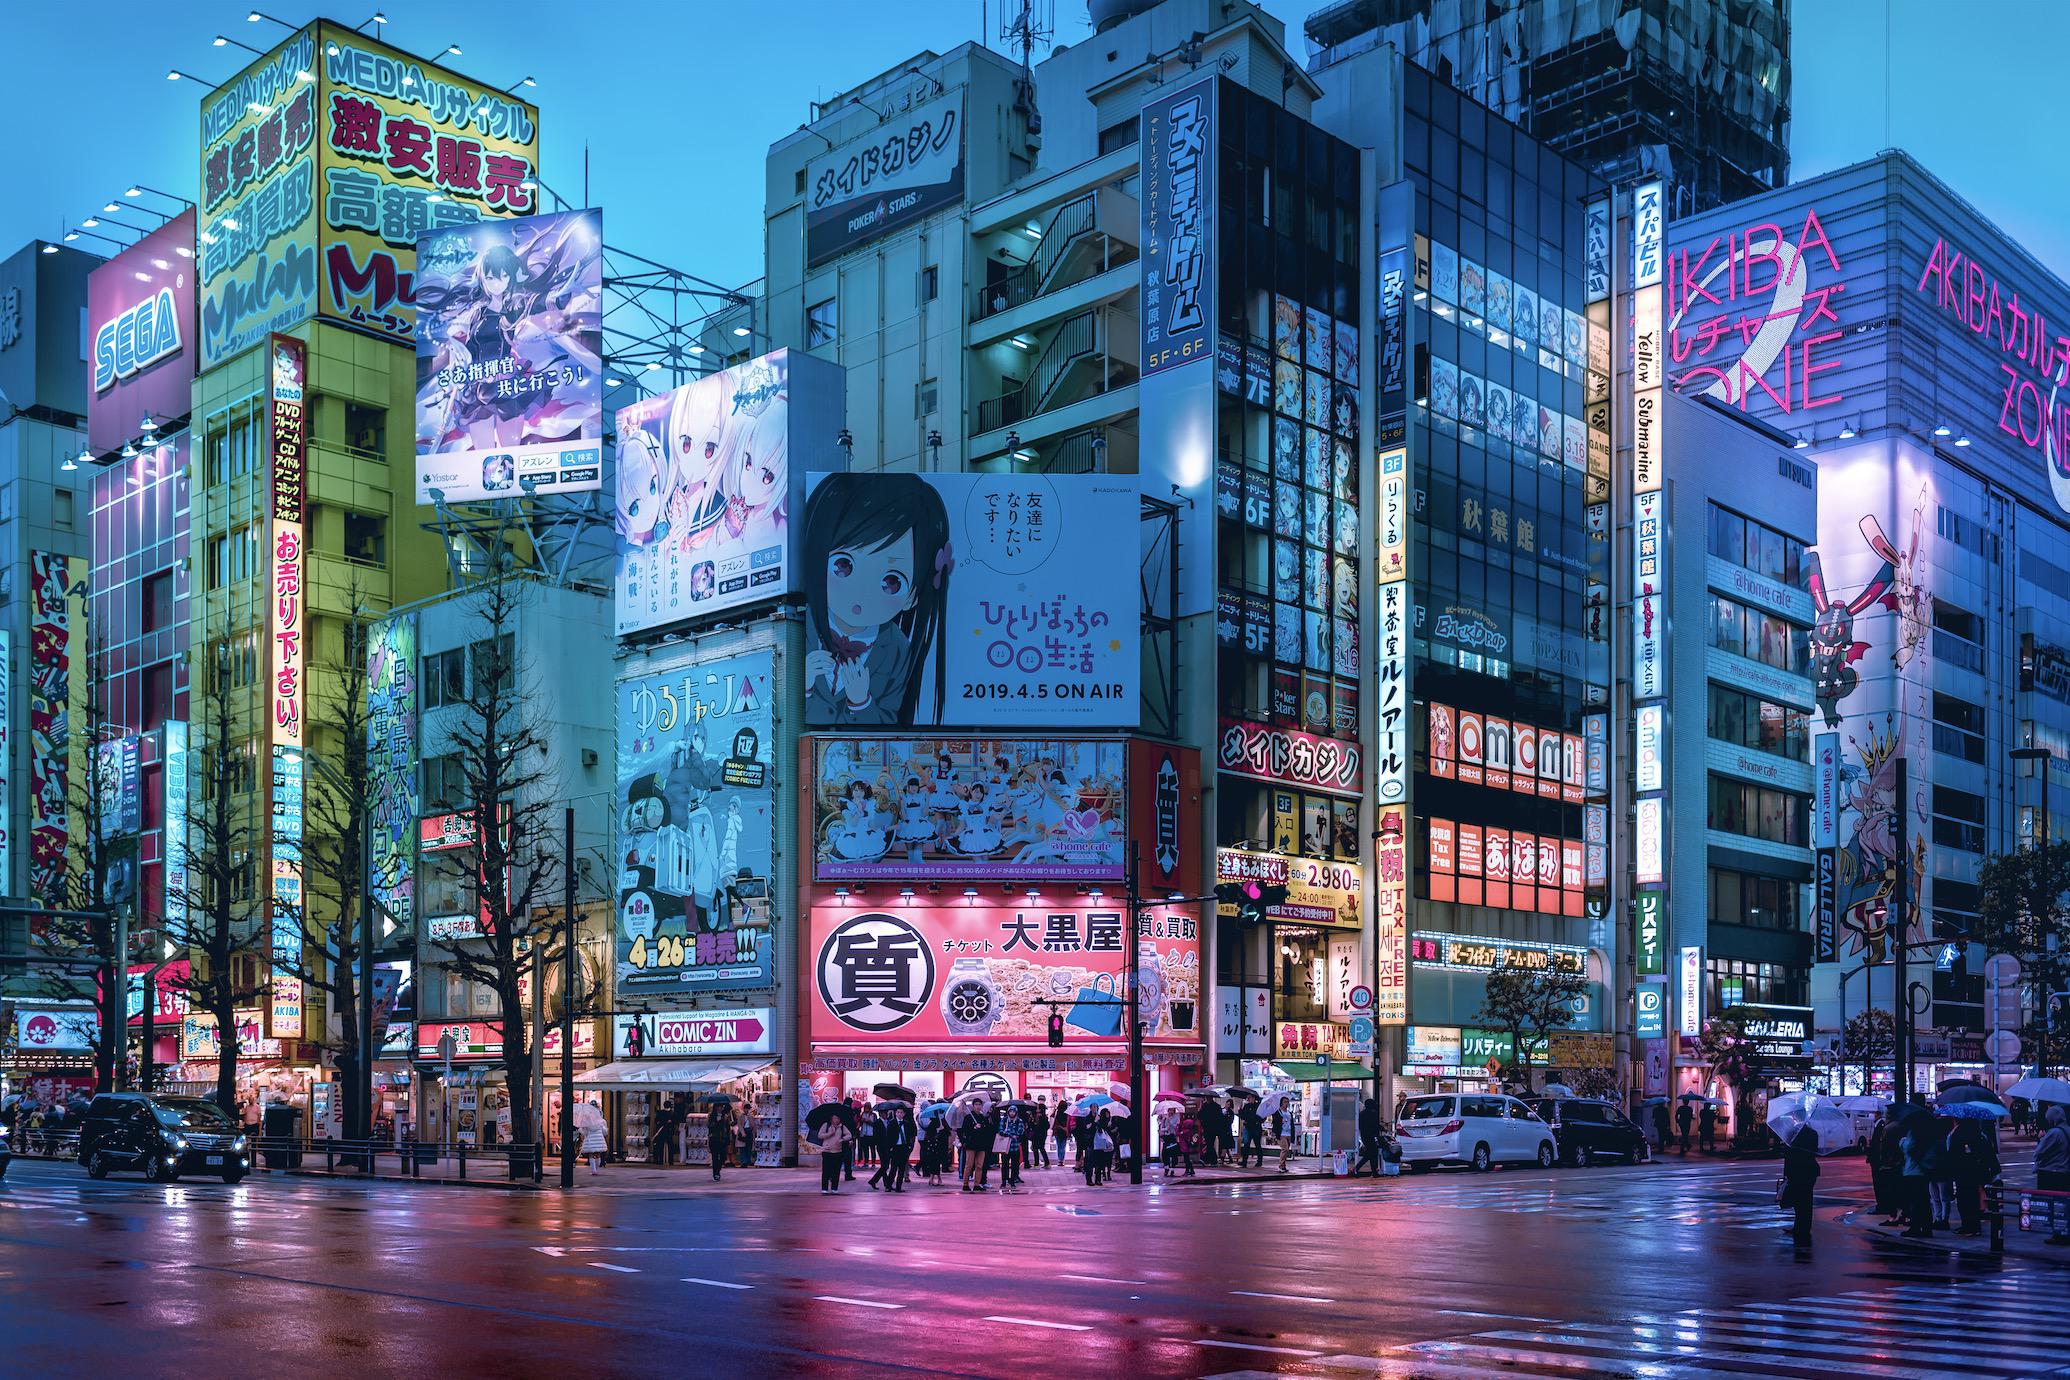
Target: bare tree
(221, 916)
(2026, 913)
(1529, 1003)
(515, 861)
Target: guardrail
(413, 1158)
(2034, 1209)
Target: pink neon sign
(1745, 316)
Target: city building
(1695, 93)
(1913, 350)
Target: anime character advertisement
(696, 816)
(705, 490)
(510, 385)
(392, 718)
(1005, 809)
(976, 599)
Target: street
(1662, 1270)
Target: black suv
(1587, 1128)
(163, 1136)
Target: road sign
(2002, 968)
(2003, 1046)
(1361, 1029)
(1361, 998)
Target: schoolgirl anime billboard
(971, 599)
(696, 826)
(510, 384)
(1021, 809)
(709, 476)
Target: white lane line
(1105, 1279)
(1037, 1322)
(615, 1269)
(859, 1303)
(1505, 1317)
(1253, 1346)
(714, 1283)
(1290, 1298)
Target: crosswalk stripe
(1773, 1357)
(1873, 1317)
(1510, 1359)
(1706, 1339)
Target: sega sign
(140, 315)
(135, 340)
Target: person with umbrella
(894, 1147)
(1886, 1169)
(1660, 1124)
(1006, 1143)
(1368, 1138)
(1707, 1128)
(1926, 1151)
(832, 1139)
(935, 1148)
(1253, 1142)
(1800, 1172)
(1038, 1135)
(1684, 1117)
(1286, 1127)
(1060, 1128)
(2052, 1159)
(589, 1125)
(718, 1133)
(1973, 1151)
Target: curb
(326, 1174)
(1947, 1243)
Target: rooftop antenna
(1024, 24)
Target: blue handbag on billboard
(1097, 1009)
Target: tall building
(1696, 93)
(1912, 349)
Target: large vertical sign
(1690, 989)
(1391, 917)
(1178, 319)
(175, 842)
(50, 720)
(1649, 609)
(287, 452)
(140, 322)
(392, 707)
(1391, 749)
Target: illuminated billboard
(323, 163)
(288, 434)
(140, 332)
(696, 826)
(392, 714)
(510, 387)
(54, 628)
(710, 477)
(892, 176)
(1505, 869)
(1021, 809)
(979, 599)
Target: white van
(1480, 1129)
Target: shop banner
(392, 710)
(1164, 804)
(970, 599)
(1649, 950)
(510, 340)
(1689, 1001)
(968, 970)
(52, 632)
(1825, 906)
(140, 319)
(174, 847)
(55, 1029)
(1469, 953)
(1650, 1010)
(118, 764)
(1318, 892)
(1265, 752)
(886, 180)
(709, 478)
(1019, 809)
(1391, 917)
(1825, 799)
(1505, 869)
(199, 1039)
(694, 1034)
(472, 1040)
(697, 808)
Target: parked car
(165, 1137)
(1479, 1129)
(6, 1150)
(1588, 1128)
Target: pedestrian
(936, 1149)
(1038, 1135)
(1660, 1125)
(2022, 1111)
(1925, 1151)
(1253, 1135)
(1707, 1128)
(1943, 1185)
(834, 1143)
(1190, 1141)
(848, 1151)
(1006, 1144)
(1224, 1131)
(1975, 1156)
(1886, 1169)
(1286, 1125)
(718, 1135)
(1167, 1136)
(589, 1124)
(2052, 1160)
(1684, 1118)
(1082, 1129)
(977, 1149)
(662, 1148)
(1800, 1172)
(1368, 1137)
(1102, 1149)
(1060, 1127)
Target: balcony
(1091, 352)
(1087, 235)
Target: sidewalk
(2019, 1245)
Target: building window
(1737, 807)
(494, 665)
(822, 323)
(230, 454)
(1958, 819)
(445, 782)
(1745, 898)
(1759, 636)
(233, 557)
(158, 601)
(61, 508)
(235, 662)
(158, 695)
(1958, 728)
(366, 430)
(366, 539)
(798, 183)
(1750, 721)
(445, 678)
(1755, 546)
(930, 283)
(927, 398)
(1120, 134)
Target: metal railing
(414, 1159)
(1078, 337)
(2033, 1209)
(1071, 223)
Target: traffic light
(1056, 1030)
(1251, 898)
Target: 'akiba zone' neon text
(1760, 336)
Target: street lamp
(2044, 759)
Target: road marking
(1505, 1317)
(715, 1283)
(1105, 1279)
(555, 1251)
(1253, 1346)
(617, 1269)
(1290, 1298)
(859, 1303)
(1037, 1322)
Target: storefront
(1450, 1058)
(687, 1062)
(48, 1053)
(269, 1071)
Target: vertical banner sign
(1826, 905)
(1649, 949)
(6, 763)
(1651, 724)
(1391, 748)
(288, 433)
(1825, 804)
(1178, 319)
(50, 720)
(1648, 848)
(1649, 595)
(1391, 918)
(1691, 993)
(175, 845)
(1649, 575)
(392, 767)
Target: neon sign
(1753, 290)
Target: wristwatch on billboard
(971, 1002)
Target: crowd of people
(1929, 1171)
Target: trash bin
(282, 1128)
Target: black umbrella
(827, 1111)
(895, 1092)
(1953, 1093)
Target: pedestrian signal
(1056, 1030)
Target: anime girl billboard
(971, 599)
(510, 388)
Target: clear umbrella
(1791, 1113)
(2036, 1089)
(1558, 1090)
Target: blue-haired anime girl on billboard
(877, 562)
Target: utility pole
(1140, 1131)
(568, 1003)
(1901, 913)
(369, 1047)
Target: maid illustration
(914, 827)
(877, 562)
(979, 834)
(857, 835)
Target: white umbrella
(1791, 1113)
(1274, 1100)
(2036, 1089)
(1120, 1092)
(1558, 1090)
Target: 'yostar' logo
(136, 340)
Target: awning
(1309, 1071)
(648, 1075)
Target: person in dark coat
(718, 1134)
(1886, 1169)
(1038, 1136)
(1926, 1153)
(1253, 1135)
(1661, 1131)
(667, 1122)
(1974, 1154)
(894, 1148)
(2052, 1159)
(1368, 1138)
(1684, 1118)
(1707, 1128)
(1800, 1172)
